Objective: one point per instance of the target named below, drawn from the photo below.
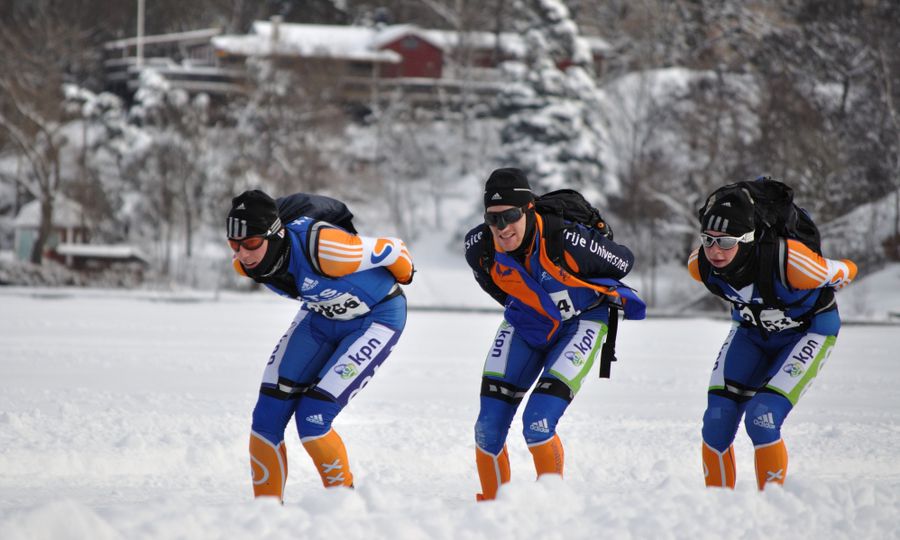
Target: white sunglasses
(725, 242)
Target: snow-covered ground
(126, 416)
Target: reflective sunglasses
(249, 244)
(504, 218)
(725, 242)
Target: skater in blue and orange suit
(352, 314)
(773, 353)
(555, 322)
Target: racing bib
(564, 303)
(773, 320)
(341, 308)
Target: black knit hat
(507, 186)
(253, 213)
(730, 213)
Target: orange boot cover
(492, 471)
(330, 458)
(268, 466)
(718, 467)
(771, 463)
(548, 456)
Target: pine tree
(552, 129)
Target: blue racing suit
(342, 333)
(555, 323)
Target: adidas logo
(496, 197)
(241, 207)
(727, 204)
(541, 426)
(308, 284)
(765, 420)
(316, 419)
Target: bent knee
(271, 416)
(314, 417)
(720, 423)
(490, 432)
(765, 414)
(492, 425)
(538, 426)
(537, 430)
(543, 412)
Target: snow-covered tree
(552, 128)
(167, 169)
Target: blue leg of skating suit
(271, 416)
(309, 421)
(721, 421)
(762, 428)
(492, 425)
(541, 414)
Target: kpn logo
(346, 371)
(575, 358)
(794, 369)
(581, 348)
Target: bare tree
(37, 40)
(288, 122)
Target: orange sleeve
(339, 253)
(806, 269)
(694, 265)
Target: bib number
(772, 320)
(340, 308)
(564, 304)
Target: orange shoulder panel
(694, 265)
(806, 269)
(339, 253)
(238, 268)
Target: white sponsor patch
(801, 366)
(350, 365)
(495, 363)
(578, 355)
(271, 373)
(717, 377)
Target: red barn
(420, 56)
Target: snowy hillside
(862, 232)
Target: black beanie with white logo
(253, 213)
(507, 186)
(730, 213)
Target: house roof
(362, 42)
(510, 42)
(308, 40)
(66, 213)
(389, 34)
(118, 252)
(193, 36)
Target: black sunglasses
(504, 218)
